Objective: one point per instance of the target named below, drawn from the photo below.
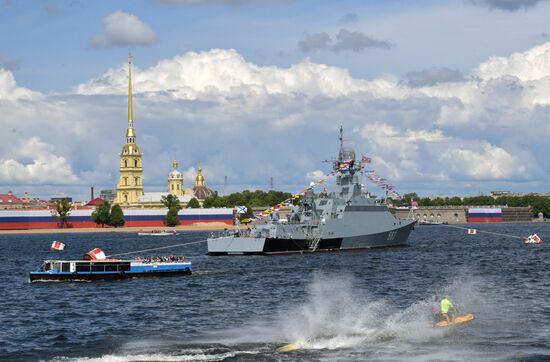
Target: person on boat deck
(436, 309)
(447, 309)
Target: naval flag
(241, 209)
(472, 231)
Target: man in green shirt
(447, 309)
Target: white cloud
(533, 64)
(225, 73)
(315, 175)
(121, 29)
(189, 176)
(249, 122)
(44, 165)
(485, 162)
(9, 89)
(428, 153)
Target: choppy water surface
(371, 305)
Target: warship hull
(231, 245)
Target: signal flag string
(483, 231)
(162, 247)
(531, 239)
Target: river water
(347, 306)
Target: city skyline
(445, 98)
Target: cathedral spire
(130, 184)
(130, 108)
(130, 132)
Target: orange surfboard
(458, 320)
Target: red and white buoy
(533, 239)
(57, 245)
(95, 254)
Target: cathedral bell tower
(130, 183)
(175, 181)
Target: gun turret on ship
(346, 219)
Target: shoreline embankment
(206, 226)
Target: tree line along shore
(538, 203)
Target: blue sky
(447, 97)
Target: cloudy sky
(447, 97)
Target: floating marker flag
(472, 231)
(533, 239)
(56, 245)
(241, 209)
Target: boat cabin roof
(89, 261)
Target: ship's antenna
(341, 137)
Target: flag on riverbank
(241, 209)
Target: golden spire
(130, 108)
(175, 165)
(130, 132)
(199, 180)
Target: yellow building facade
(130, 184)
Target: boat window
(98, 267)
(82, 267)
(345, 190)
(66, 267)
(56, 266)
(111, 267)
(124, 267)
(323, 202)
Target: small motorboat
(157, 233)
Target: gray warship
(346, 219)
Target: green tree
(172, 218)
(455, 201)
(117, 216)
(256, 198)
(102, 214)
(193, 204)
(171, 201)
(62, 211)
